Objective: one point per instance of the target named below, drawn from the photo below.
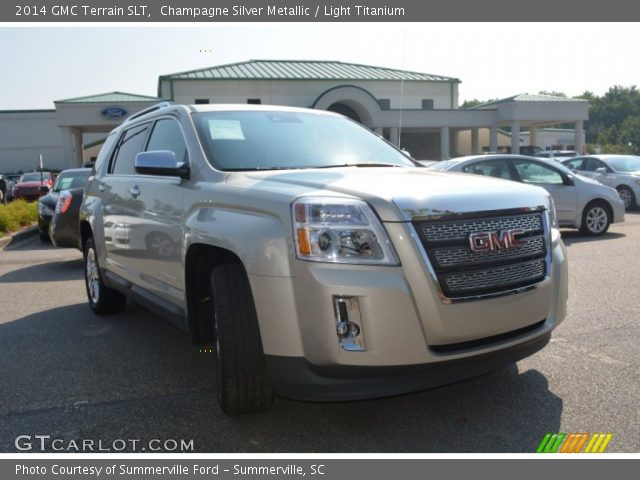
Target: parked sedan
(64, 229)
(33, 185)
(621, 172)
(68, 179)
(580, 202)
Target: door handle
(134, 191)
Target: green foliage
(614, 118)
(17, 214)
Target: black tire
(627, 196)
(104, 300)
(44, 237)
(596, 218)
(243, 379)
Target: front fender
(259, 238)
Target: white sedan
(621, 172)
(580, 202)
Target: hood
(400, 194)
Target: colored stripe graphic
(573, 442)
(550, 443)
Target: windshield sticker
(225, 130)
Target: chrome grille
(496, 276)
(462, 272)
(460, 229)
(457, 256)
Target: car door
(118, 203)
(593, 168)
(559, 185)
(156, 222)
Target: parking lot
(67, 373)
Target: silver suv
(323, 263)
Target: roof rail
(150, 109)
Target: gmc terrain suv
(323, 263)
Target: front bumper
(294, 377)
(413, 339)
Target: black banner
(149, 11)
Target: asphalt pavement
(71, 375)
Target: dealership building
(417, 111)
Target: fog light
(348, 323)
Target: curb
(18, 236)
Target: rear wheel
(102, 299)
(627, 196)
(243, 380)
(596, 219)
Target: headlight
(340, 230)
(43, 210)
(551, 208)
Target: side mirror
(406, 153)
(601, 171)
(160, 162)
(568, 180)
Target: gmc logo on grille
(500, 240)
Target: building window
(384, 103)
(427, 104)
(254, 101)
(202, 101)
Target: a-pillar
(579, 143)
(475, 141)
(445, 140)
(515, 137)
(493, 139)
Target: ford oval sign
(113, 112)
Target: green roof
(302, 70)
(111, 97)
(525, 97)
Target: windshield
(34, 177)
(625, 163)
(263, 140)
(67, 181)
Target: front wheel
(102, 299)
(596, 219)
(243, 380)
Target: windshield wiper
(362, 165)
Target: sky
(43, 64)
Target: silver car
(580, 202)
(621, 172)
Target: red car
(32, 186)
